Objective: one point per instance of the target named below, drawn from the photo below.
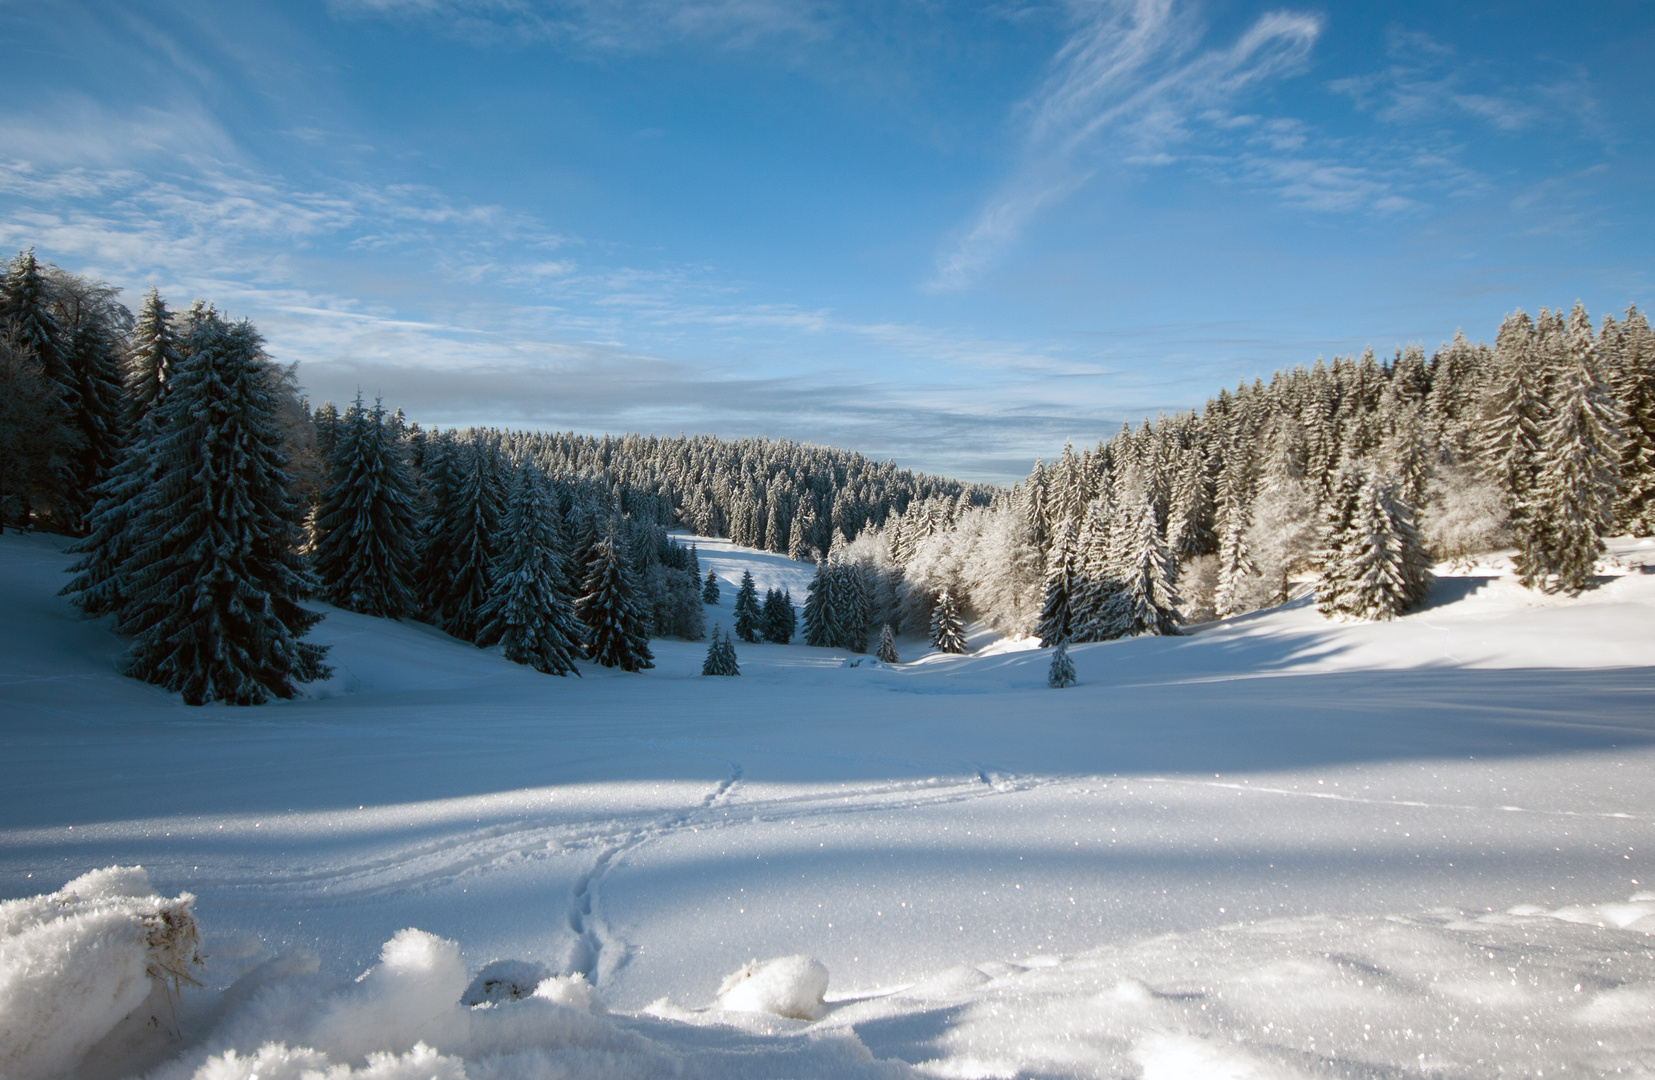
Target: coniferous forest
(207, 500)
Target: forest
(207, 501)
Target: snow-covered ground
(1278, 847)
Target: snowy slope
(1277, 847)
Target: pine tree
(818, 632)
(213, 581)
(26, 317)
(1062, 671)
(93, 359)
(156, 353)
(529, 611)
(777, 617)
(1510, 434)
(1381, 569)
(709, 591)
(35, 439)
(1096, 612)
(365, 525)
(798, 548)
(1149, 603)
(947, 631)
(1636, 392)
(469, 532)
(748, 617)
(1056, 613)
(850, 608)
(1235, 565)
(721, 656)
(886, 653)
(1579, 467)
(616, 631)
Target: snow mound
(570, 990)
(505, 980)
(791, 986)
(74, 963)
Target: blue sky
(955, 235)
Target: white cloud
(1132, 70)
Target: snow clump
(791, 986)
(74, 963)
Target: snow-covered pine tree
(798, 544)
(1579, 467)
(721, 656)
(748, 617)
(529, 612)
(94, 327)
(1096, 612)
(849, 608)
(1056, 613)
(818, 631)
(440, 475)
(709, 591)
(35, 438)
(1235, 565)
(1511, 432)
(26, 317)
(1062, 672)
(156, 352)
(213, 581)
(886, 653)
(1149, 602)
(1338, 512)
(616, 631)
(1381, 570)
(776, 622)
(947, 631)
(1635, 388)
(365, 524)
(474, 517)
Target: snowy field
(1275, 848)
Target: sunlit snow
(1278, 847)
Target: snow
(1277, 847)
(792, 986)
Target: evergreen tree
(473, 519)
(777, 617)
(721, 656)
(947, 631)
(529, 611)
(1381, 569)
(364, 552)
(748, 617)
(709, 591)
(616, 634)
(798, 548)
(93, 358)
(35, 439)
(1056, 613)
(1579, 473)
(213, 582)
(818, 631)
(1511, 433)
(1636, 391)
(1062, 671)
(1149, 603)
(1235, 565)
(850, 608)
(156, 353)
(1096, 612)
(26, 317)
(886, 653)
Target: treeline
(1359, 472)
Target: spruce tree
(93, 358)
(1096, 612)
(818, 630)
(798, 548)
(709, 591)
(529, 612)
(434, 546)
(1636, 390)
(777, 617)
(1380, 570)
(1057, 612)
(156, 352)
(474, 517)
(1062, 672)
(1511, 433)
(748, 617)
(1149, 603)
(886, 653)
(364, 552)
(947, 631)
(26, 317)
(35, 439)
(212, 580)
(849, 607)
(1579, 467)
(616, 630)
(721, 656)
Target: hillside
(1276, 847)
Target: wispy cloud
(614, 25)
(1127, 82)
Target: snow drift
(790, 986)
(74, 963)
